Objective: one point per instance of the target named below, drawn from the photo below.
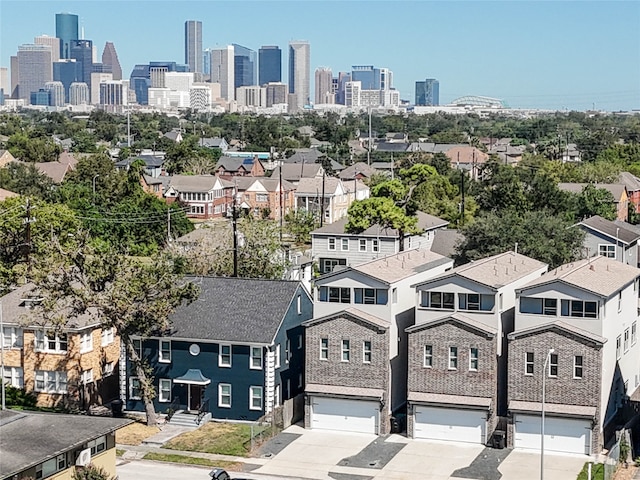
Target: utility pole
(369, 142)
(281, 202)
(462, 198)
(129, 128)
(234, 223)
(2, 357)
(168, 224)
(322, 201)
(27, 221)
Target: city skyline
(556, 55)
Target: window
(344, 244)
(165, 351)
(579, 308)
(106, 337)
(13, 376)
(164, 390)
(300, 380)
(277, 359)
(86, 377)
(300, 342)
(224, 356)
(626, 340)
(287, 350)
(107, 369)
(607, 250)
(324, 349)
(98, 445)
(332, 244)
(366, 351)
(299, 302)
(528, 363)
(577, 366)
(135, 389)
(618, 347)
(51, 466)
(51, 342)
(428, 356)
(476, 302)
(394, 295)
(86, 342)
(539, 306)
(345, 350)
(262, 197)
(453, 358)
(255, 362)
(334, 294)
(473, 359)
(328, 264)
(634, 333)
(224, 395)
(553, 365)
(375, 246)
(443, 300)
(51, 381)
(371, 296)
(362, 245)
(255, 398)
(620, 301)
(11, 337)
(137, 346)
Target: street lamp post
(544, 377)
(93, 184)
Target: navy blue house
(235, 352)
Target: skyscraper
(66, 71)
(53, 42)
(66, 31)
(15, 78)
(78, 93)
(34, 69)
(372, 78)
(244, 66)
(324, 86)
(56, 93)
(82, 52)
(193, 45)
(269, 64)
(222, 71)
(299, 71)
(428, 92)
(110, 59)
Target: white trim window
(607, 250)
(344, 244)
(164, 390)
(13, 376)
(453, 358)
(331, 245)
(618, 347)
(106, 336)
(627, 334)
(634, 333)
(164, 352)
(528, 363)
(137, 346)
(255, 363)
(255, 398)
(428, 356)
(578, 364)
(362, 245)
(366, 351)
(473, 359)
(277, 356)
(553, 365)
(51, 342)
(11, 337)
(107, 369)
(324, 349)
(86, 377)
(224, 395)
(375, 245)
(51, 381)
(135, 388)
(346, 351)
(287, 350)
(86, 342)
(224, 356)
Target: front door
(195, 397)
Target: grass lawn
(135, 433)
(119, 452)
(169, 457)
(221, 438)
(597, 472)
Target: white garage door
(436, 423)
(562, 435)
(345, 415)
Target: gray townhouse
(617, 240)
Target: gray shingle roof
(559, 325)
(235, 310)
(27, 439)
(293, 172)
(610, 229)
(446, 241)
(196, 183)
(425, 222)
(357, 168)
(353, 313)
(402, 265)
(616, 189)
(630, 181)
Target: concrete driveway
(522, 464)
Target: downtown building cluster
(64, 72)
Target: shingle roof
(456, 317)
(402, 265)
(616, 189)
(149, 161)
(466, 154)
(344, 391)
(269, 184)
(425, 222)
(553, 408)
(559, 325)
(314, 186)
(443, 399)
(496, 271)
(196, 183)
(446, 241)
(610, 229)
(56, 171)
(599, 275)
(293, 172)
(630, 181)
(354, 313)
(357, 168)
(391, 147)
(4, 194)
(234, 310)
(27, 439)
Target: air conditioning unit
(84, 458)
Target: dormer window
(476, 302)
(579, 308)
(31, 301)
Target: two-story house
(294, 172)
(236, 352)
(356, 348)
(457, 370)
(328, 198)
(74, 366)
(206, 196)
(264, 197)
(617, 240)
(331, 245)
(153, 164)
(234, 166)
(617, 190)
(576, 330)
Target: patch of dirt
(626, 473)
(135, 433)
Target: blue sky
(542, 54)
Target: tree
(501, 188)
(382, 211)
(25, 179)
(91, 472)
(33, 149)
(133, 296)
(595, 201)
(300, 223)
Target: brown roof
(4, 194)
(269, 184)
(314, 185)
(466, 154)
(344, 391)
(393, 268)
(553, 408)
(616, 189)
(442, 399)
(54, 170)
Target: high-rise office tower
(222, 71)
(269, 64)
(53, 42)
(372, 78)
(113, 92)
(66, 71)
(34, 69)
(299, 72)
(244, 66)
(56, 93)
(66, 31)
(193, 45)
(276, 93)
(4, 80)
(79, 93)
(343, 78)
(82, 52)
(15, 78)
(428, 92)
(110, 59)
(206, 61)
(97, 79)
(324, 86)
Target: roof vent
(591, 268)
